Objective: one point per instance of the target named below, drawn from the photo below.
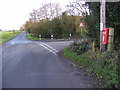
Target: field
(7, 35)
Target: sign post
(70, 36)
(40, 37)
(51, 36)
(81, 25)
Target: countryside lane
(35, 64)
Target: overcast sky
(14, 13)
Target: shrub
(79, 48)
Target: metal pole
(102, 22)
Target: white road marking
(49, 48)
(73, 64)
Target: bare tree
(46, 11)
(77, 8)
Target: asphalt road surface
(36, 64)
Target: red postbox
(105, 35)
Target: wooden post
(93, 46)
(102, 23)
(111, 39)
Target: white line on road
(73, 64)
(49, 48)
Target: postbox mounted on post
(105, 35)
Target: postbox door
(105, 34)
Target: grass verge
(31, 37)
(7, 35)
(103, 65)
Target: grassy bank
(104, 66)
(7, 35)
(32, 37)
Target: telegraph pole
(102, 22)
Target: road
(36, 64)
